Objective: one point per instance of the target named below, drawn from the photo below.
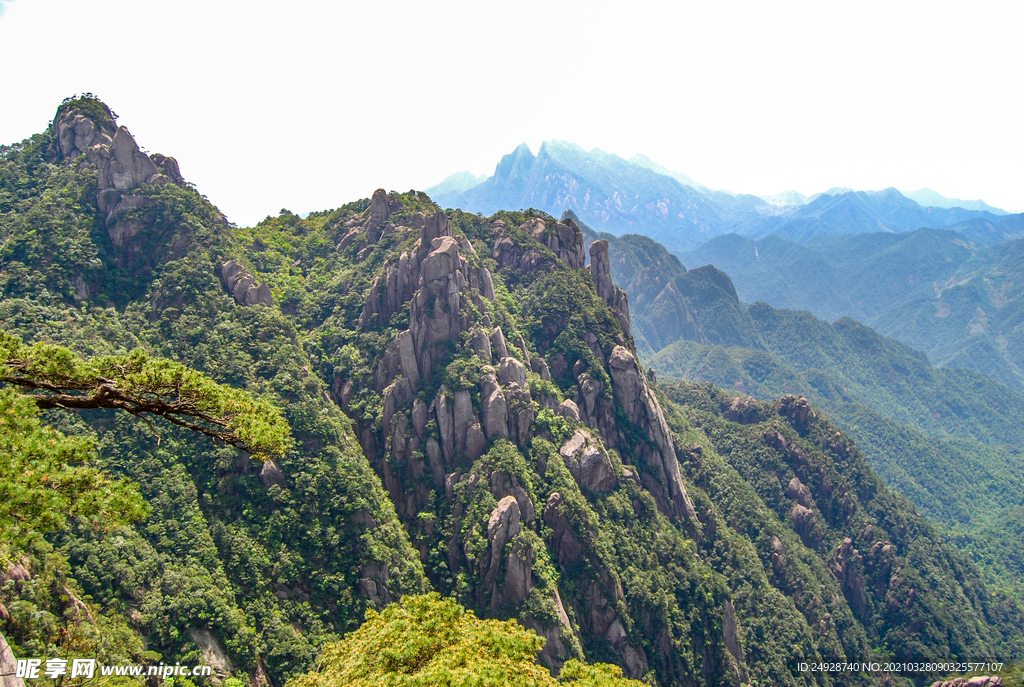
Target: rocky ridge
(121, 167)
(443, 443)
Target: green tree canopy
(47, 477)
(430, 641)
(143, 385)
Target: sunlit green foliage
(430, 641)
(142, 385)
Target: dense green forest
(466, 416)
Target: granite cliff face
(453, 445)
(84, 133)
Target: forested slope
(468, 416)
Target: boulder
(486, 284)
(441, 261)
(444, 412)
(845, 564)
(380, 209)
(419, 418)
(511, 371)
(566, 546)
(211, 652)
(743, 409)
(498, 343)
(521, 343)
(778, 552)
(8, 665)
(540, 367)
(493, 407)
(407, 358)
(600, 269)
(482, 345)
(521, 414)
(464, 417)
(796, 410)
(475, 441)
(799, 491)
(803, 521)
(518, 573)
(242, 285)
(502, 526)
(587, 463)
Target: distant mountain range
(620, 196)
(960, 302)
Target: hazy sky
(308, 105)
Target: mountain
(858, 212)
(469, 416)
(605, 190)
(668, 303)
(455, 184)
(930, 198)
(952, 298)
(971, 319)
(945, 437)
(639, 196)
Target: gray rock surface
(212, 652)
(568, 409)
(589, 465)
(643, 409)
(242, 285)
(498, 344)
(8, 666)
(600, 269)
(511, 371)
(493, 407)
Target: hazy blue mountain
(858, 212)
(989, 232)
(650, 164)
(640, 196)
(787, 199)
(930, 198)
(606, 191)
(859, 275)
(974, 318)
(455, 184)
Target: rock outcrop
(588, 463)
(643, 410)
(600, 269)
(8, 666)
(845, 564)
(976, 681)
(242, 285)
(503, 527)
(121, 167)
(212, 653)
(564, 543)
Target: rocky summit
(469, 416)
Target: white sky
(308, 105)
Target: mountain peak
(81, 122)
